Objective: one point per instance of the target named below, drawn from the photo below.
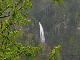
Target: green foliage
(11, 15)
(58, 1)
(55, 52)
(9, 48)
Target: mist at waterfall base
(42, 37)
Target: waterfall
(42, 37)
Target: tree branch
(5, 15)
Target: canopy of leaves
(12, 14)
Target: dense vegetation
(13, 16)
(19, 29)
(61, 23)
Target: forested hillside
(20, 30)
(61, 23)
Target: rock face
(61, 23)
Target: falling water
(42, 37)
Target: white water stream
(42, 37)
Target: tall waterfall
(42, 37)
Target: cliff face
(61, 23)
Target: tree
(11, 15)
(55, 53)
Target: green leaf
(58, 1)
(29, 4)
(55, 52)
(16, 58)
(25, 16)
(9, 2)
(10, 34)
(28, 22)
